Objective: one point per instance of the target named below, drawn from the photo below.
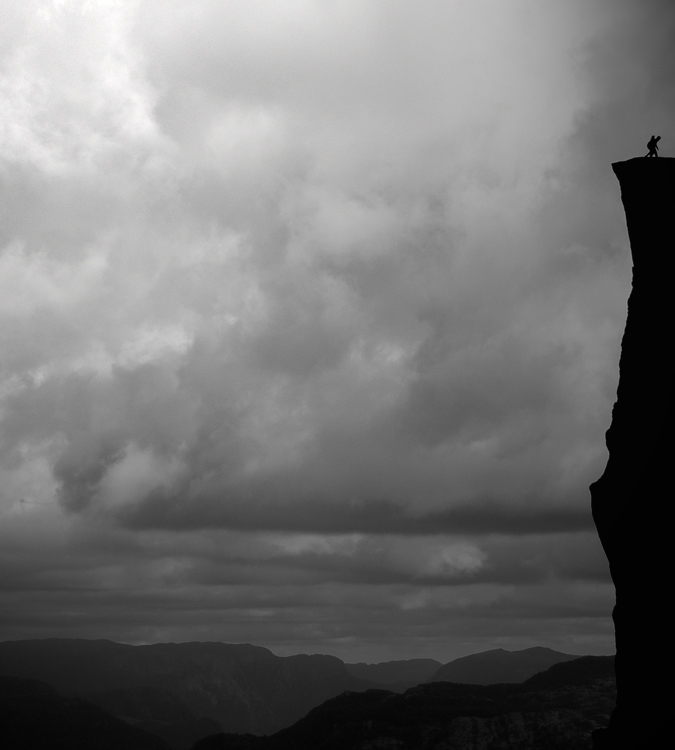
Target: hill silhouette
(395, 675)
(177, 689)
(499, 665)
(554, 710)
(34, 716)
(184, 692)
(157, 711)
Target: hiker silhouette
(653, 145)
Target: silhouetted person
(653, 145)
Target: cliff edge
(630, 502)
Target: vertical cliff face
(631, 501)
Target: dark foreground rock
(631, 501)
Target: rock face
(630, 501)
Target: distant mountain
(498, 665)
(174, 689)
(395, 675)
(557, 710)
(187, 691)
(33, 716)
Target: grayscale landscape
(311, 323)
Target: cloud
(326, 271)
(336, 593)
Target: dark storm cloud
(362, 516)
(332, 592)
(298, 278)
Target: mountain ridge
(499, 665)
(397, 675)
(557, 709)
(244, 688)
(181, 692)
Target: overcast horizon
(310, 317)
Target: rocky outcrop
(630, 502)
(561, 729)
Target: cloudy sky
(310, 316)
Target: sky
(310, 317)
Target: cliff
(630, 501)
